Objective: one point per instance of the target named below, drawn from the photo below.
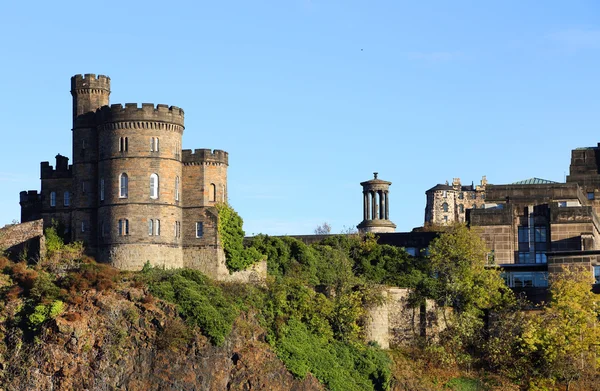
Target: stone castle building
(132, 194)
(447, 204)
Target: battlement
(30, 196)
(90, 81)
(148, 112)
(63, 169)
(201, 156)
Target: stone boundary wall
(394, 323)
(211, 262)
(24, 240)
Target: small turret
(89, 94)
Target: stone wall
(24, 240)
(395, 323)
(499, 239)
(211, 261)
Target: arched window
(445, 206)
(461, 208)
(123, 185)
(212, 195)
(53, 198)
(154, 144)
(474, 206)
(177, 188)
(153, 186)
(150, 227)
(461, 195)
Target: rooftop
(533, 181)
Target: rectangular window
(523, 239)
(199, 229)
(53, 198)
(102, 228)
(83, 187)
(82, 144)
(590, 195)
(524, 257)
(157, 227)
(444, 194)
(126, 144)
(123, 227)
(101, 189)
(83, 226)
(597, 274)
(67, 200)
(150, 227)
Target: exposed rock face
(116, 341)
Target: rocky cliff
(122, 340)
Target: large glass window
(526, 279)
(124, 185)
(154, 186)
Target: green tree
(458, 259)
(562, 340)
(232, 239)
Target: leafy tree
(232, 239)
(458, 260)
(562, 341)
(323, 229)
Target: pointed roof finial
(375, 175)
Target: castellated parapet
(205, 156)
(132, 195)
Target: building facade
(448, 204)
(131, 194)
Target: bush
(197, 300)
(232, 240)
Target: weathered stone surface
(23, 241)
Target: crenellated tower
(140, 184)
(89, 92)
(132, 195)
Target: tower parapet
(205, 156)
(89, 93)
(62, 170)
(146, 117)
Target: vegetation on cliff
(68, 316)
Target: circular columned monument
(376, 206)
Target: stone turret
(376, 206)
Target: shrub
(232, 240)
(197, 300)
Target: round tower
(376, 206)
(140, 185)
(89, 92)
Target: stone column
(381, 205)
(374, 205)
(365, 206)
(387, 205)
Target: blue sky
(310, 97)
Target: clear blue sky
(310, 97)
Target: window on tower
(124, 185)
(154, 186)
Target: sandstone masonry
(132, 195)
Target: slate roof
(533, 181)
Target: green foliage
(464, 384)
(232, 240)
(340, 366)
(198, 301)
(54, 243)
(458, 259)
(562, 341)
(43, 312)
